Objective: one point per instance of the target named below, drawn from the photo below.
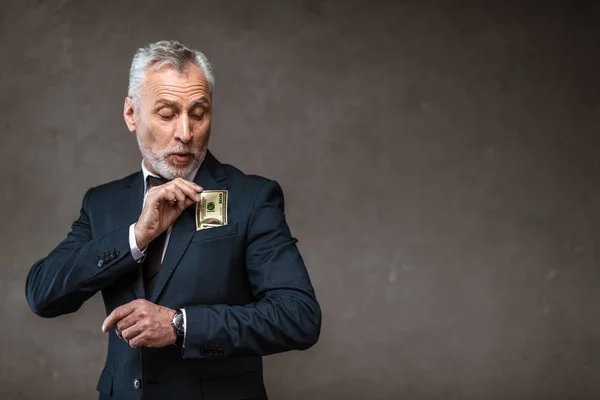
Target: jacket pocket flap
(105, 383)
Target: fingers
(117, 314)
(192, 185)
(177, 192)
(147, 325)
(126, 323)
(190, 189)
(163, 205)
(174, 196)
(145, 332)
(130, 334)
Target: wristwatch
(179, 327)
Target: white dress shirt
(140, 255)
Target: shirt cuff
(137, 254)
(184, 326)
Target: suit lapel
(210, 176)
(128, 205)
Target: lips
(182, 157)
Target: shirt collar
(147, 173)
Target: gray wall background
(439, 160)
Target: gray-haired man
(198, 270)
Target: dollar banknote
(211, 211)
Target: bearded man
(198, 270)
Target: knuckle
(139, 340)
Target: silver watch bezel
(178, 321)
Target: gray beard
(158, 161)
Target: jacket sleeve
(77, 268)
(286, 315)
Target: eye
(198, 116)
(166, 117)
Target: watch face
(178, 322)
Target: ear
(129, 113)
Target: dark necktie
(153, 261)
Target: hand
(164, 204)
(142, 323)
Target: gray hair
(165, 53)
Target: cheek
(156, 133)
(202, 131)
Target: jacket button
(100, 263)
(136, 383)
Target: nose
(183, 133)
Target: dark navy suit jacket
(244, 287)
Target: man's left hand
(142, 323)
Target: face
(172, 120)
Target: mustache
(180, 149)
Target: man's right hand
(164, 204)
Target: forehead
(173, 84)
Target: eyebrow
(172, 104)
(201, 100)
(167, 103)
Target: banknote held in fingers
(211, 211)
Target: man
(192, 304)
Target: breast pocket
(215, 233)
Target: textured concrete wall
(440, 162)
